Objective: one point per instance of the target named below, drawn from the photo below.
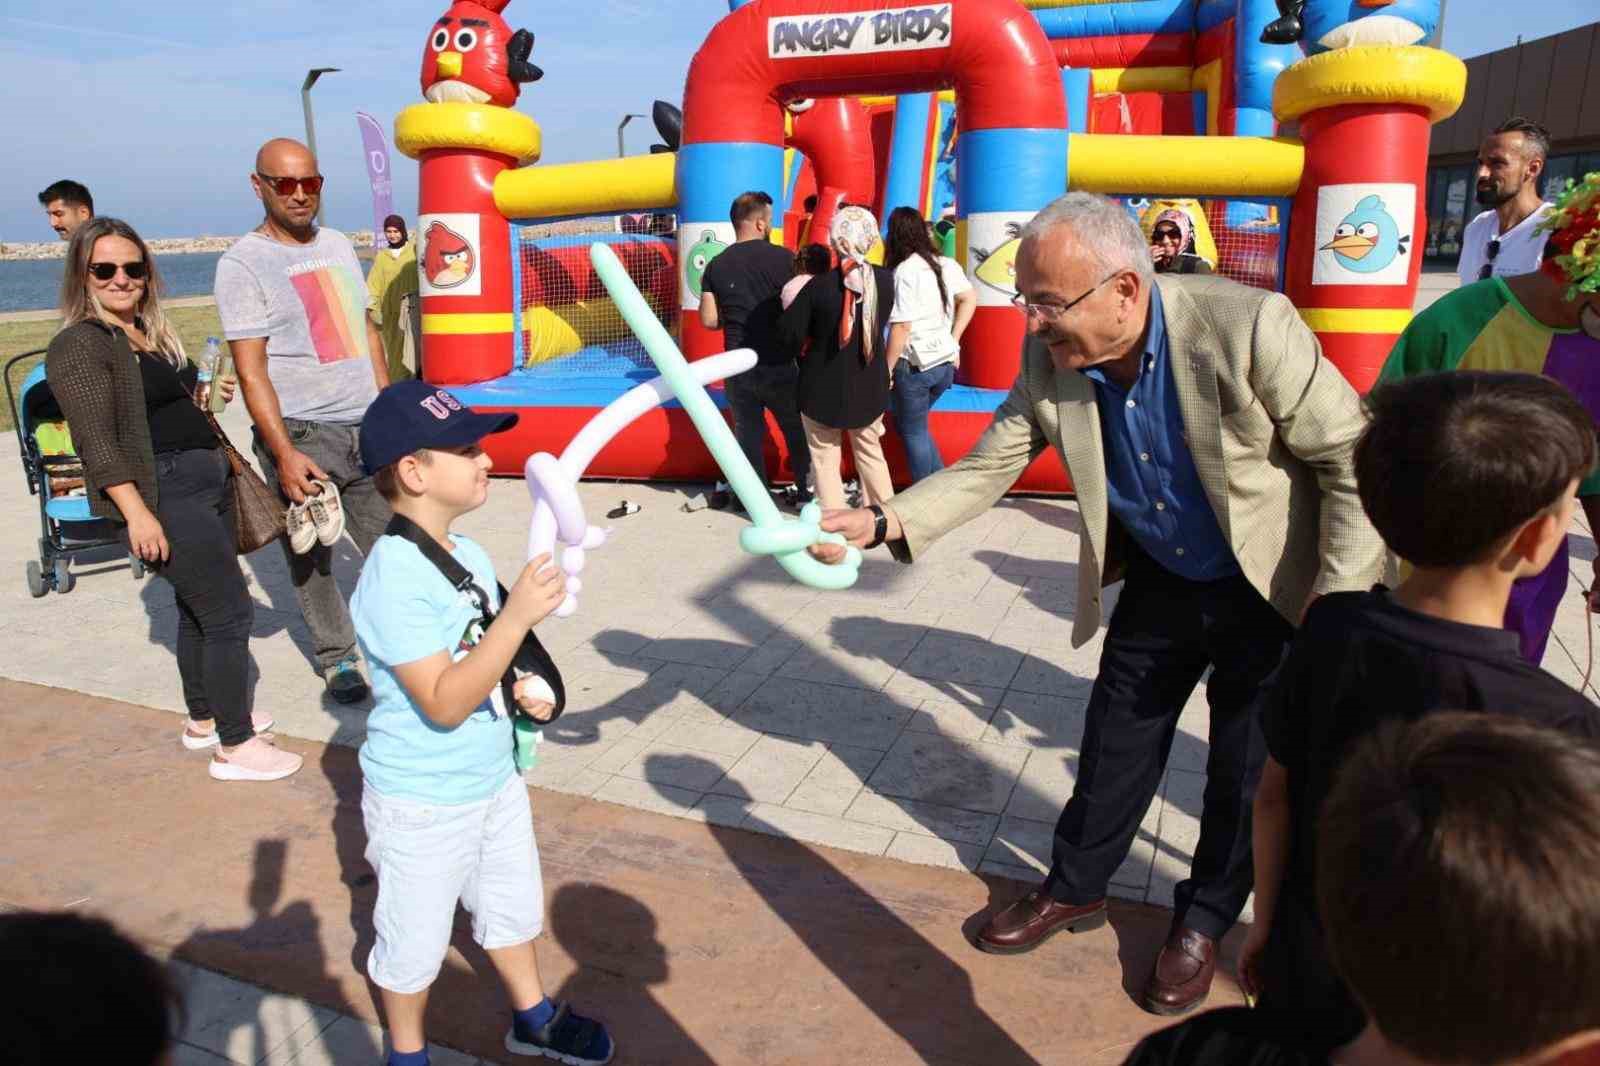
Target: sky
(159, 106)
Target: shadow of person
(277, 939)
(912, 987)
(613, 940)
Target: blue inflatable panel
(1115, 19)
(534, 389)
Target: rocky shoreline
(159, 246)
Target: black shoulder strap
(531, 657)
(448, 565)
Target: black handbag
(531, 657)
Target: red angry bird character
(473, 56)
(447, 258)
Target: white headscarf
(853, 235)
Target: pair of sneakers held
(318, 520)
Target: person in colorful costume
(1546, 322)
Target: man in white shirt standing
(1503, 241)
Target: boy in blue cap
(446, 814)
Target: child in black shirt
(1470, 478)
(1455, 867)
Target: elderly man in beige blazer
(1210, 447)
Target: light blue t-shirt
(404, 610)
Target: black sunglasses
(286, 186)
(1488, 266)
(136, 270)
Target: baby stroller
(55, 476)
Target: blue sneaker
(345, 683)
(566, 1037)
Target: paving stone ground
(932, 713)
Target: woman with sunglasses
(153, 464)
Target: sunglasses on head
(286, 186)
(1488, 266)
(136, 271)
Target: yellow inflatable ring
(462, 125)
(1372, 74)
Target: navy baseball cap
(411, 415)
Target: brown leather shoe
(1182, 978)
(1035, 918)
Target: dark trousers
(336, 450)
(215, 611)
(776, 388)
(1163, 634)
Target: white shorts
(429, 856)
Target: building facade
(1553, 80)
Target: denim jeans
(774, 387)
(334, 448)
(914, 394)
(215, 611)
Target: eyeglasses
(1488, 266)
(136, 271)
(1165, 233)
(286, 186)
(1049, 312)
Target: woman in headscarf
(392, 279)
(840, 321)
(1172, 244)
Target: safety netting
(567, 325)
(1238, 239)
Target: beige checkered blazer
(1271, 424)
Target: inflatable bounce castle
(983, 110)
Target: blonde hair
(79, 303)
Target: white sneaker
(302, 533)
(260, 721)
(327, 514)
(254, 760)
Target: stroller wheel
(64, 578)
(36, 584)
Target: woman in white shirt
(933, 303)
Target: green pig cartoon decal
(700, 255)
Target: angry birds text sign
(448, 256)
(1364, 234)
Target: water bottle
(224, 369)
(207, 367)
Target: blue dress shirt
(1153, 487)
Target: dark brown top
(94, 375)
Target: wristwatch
(880, 527)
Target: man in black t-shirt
(1456, 860)
(740, 294)
(1469, 477)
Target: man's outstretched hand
(855, 526)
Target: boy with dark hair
(1455, 864)
(1470, 476)
(446, 814)
(1546, 322)
(67, 205)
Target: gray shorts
(428, 857)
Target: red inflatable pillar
(1358, 224)
(464, 269)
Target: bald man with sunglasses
(293, 299)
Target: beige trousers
(826, 443)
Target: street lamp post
(622, 126)
(311, 128)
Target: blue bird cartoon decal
(1367, 239)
